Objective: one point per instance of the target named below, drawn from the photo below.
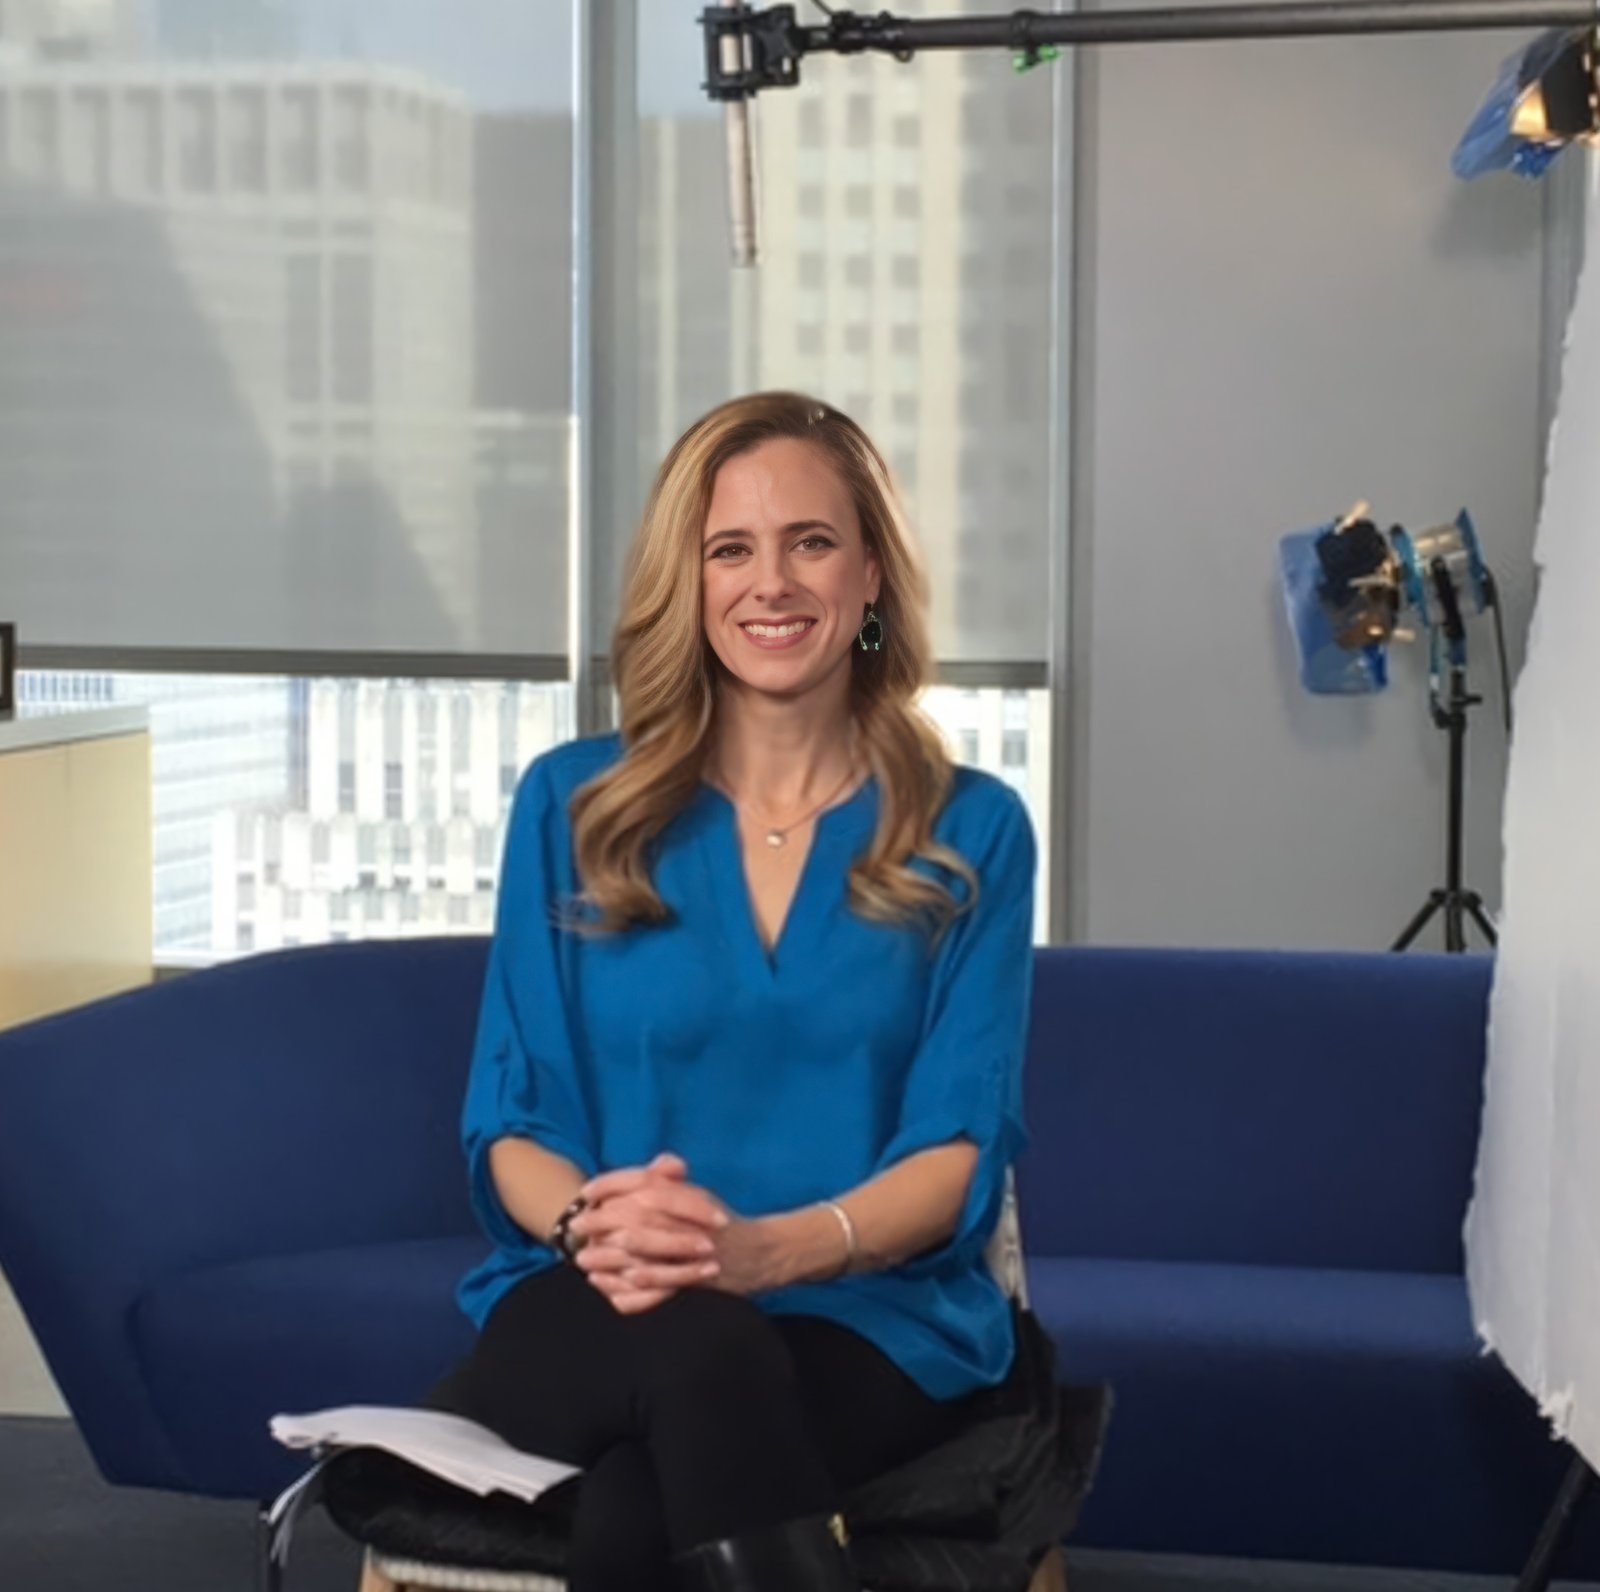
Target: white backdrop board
(1533, 1230)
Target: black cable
(1492, 589)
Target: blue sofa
(239, 1192)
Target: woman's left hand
(653, 1225)
(746, 1257)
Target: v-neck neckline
(769, 960)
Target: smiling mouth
(778, 632)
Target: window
(905, 409)
(1021, 198)
(857, 339)
(142, 141)
(808, 338)
(300, 130)
(811, 128)
(907, 132)
(858, 201)
(350, 312)
(39, 143)
(393, 791)
(809, 201)
(197, 140)
(303, 327)
(906, 271)
(905, 340)
(247, 139)
(352, 139)
(91, 113)
(907, 203)
(809, 270)
(858, 270)
(858, 121)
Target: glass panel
(1006, 733)
(906, 277)
(284, 346)
(284, 807)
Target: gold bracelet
(851, 1246)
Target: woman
(746, 1080)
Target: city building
(399, 819)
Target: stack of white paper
(457, 1450)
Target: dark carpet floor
(62, 1529)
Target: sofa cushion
(1274, 1412)
(1257, 1108)
(225, 1349)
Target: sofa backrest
(1296, 1109)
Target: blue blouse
(780, 1078)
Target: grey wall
(1286, 303)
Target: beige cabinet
(75, 910)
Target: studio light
(1348, 588)
(1545, 98)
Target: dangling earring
(871, 631)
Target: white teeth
(779, 630)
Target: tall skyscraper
(906, 277)
(235, 382)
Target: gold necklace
(779, 835)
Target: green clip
(1031, 58)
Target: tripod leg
(1419, 922)
(1485, 923)
(1558, 1524)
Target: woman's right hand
(648, 1233)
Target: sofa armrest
(300, 1100)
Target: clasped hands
(648, 1233)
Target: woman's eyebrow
(785, 530)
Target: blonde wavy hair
(665, 672)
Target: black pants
(701, 1419)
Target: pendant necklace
(778, 835)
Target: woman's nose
(772, 571)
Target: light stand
(1450, 714)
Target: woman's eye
(816, 541)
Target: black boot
(798, 1556)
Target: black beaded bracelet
(561, 1235)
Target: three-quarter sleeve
(524, 1079)
(965, 1080)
